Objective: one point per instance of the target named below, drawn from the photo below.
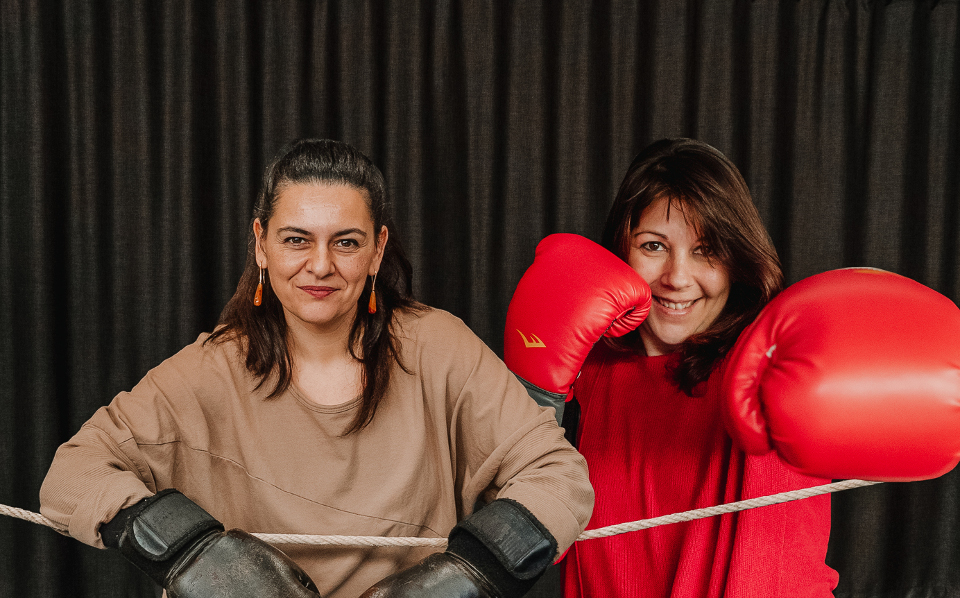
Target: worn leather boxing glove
(574, 293)
(185, 550)
(851, 373)
(498, 552)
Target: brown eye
(653, 246)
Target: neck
(324, 370)
(318, 345)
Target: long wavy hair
(712, 195)
(261, 331)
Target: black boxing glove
(498, 552)
(185, 550)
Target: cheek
(354, 268)
(286, 263)
(647, 268)
(283, 262)
(278, 272)
(716, 284)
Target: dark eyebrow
(351, 231)
(293, 229)
(306, 233)
(649, 232)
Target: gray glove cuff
(545, 398)
(158, 531)
(165, 523)
(518, 541)
(158, 526)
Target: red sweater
(652, 451)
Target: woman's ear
(258, 248)
(381, 247)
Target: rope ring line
(603, 532)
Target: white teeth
(671, 305)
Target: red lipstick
(318, 292)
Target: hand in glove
(185, 550)
(498, 552)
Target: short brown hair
(708, 188)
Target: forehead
(321, 204)
(669, 214)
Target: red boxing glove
(574, 293)
(851, 374)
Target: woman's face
(689, 292)
(318, 249)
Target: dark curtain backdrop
(133, 135)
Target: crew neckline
(301, 398)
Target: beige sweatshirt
(458, 429)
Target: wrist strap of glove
(506, 544)
(154, 531)
(545, 398)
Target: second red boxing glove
(574, 293)
(851, 373)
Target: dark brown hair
(712, 195)
(262, 331)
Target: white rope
(351, 540)
(743, 505)
(31, 517)
(603, 532)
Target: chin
(672, 337)
(312, 317)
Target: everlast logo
(532, 342)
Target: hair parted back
(261, 331)
(710, 193)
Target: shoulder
(184, 395)
(590, 372)
(204, 352)
(433, 327)
(601, 352)
(713, 385)
(605, 354)
(199, 364)
(438, 344)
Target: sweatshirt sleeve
(504, 444)
(104, 467)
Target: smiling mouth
(672, 305)
(318, 291)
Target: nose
(320, 261)
(677, 272)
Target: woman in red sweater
(650, 422)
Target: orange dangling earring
(372, 305)
(258, 296)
